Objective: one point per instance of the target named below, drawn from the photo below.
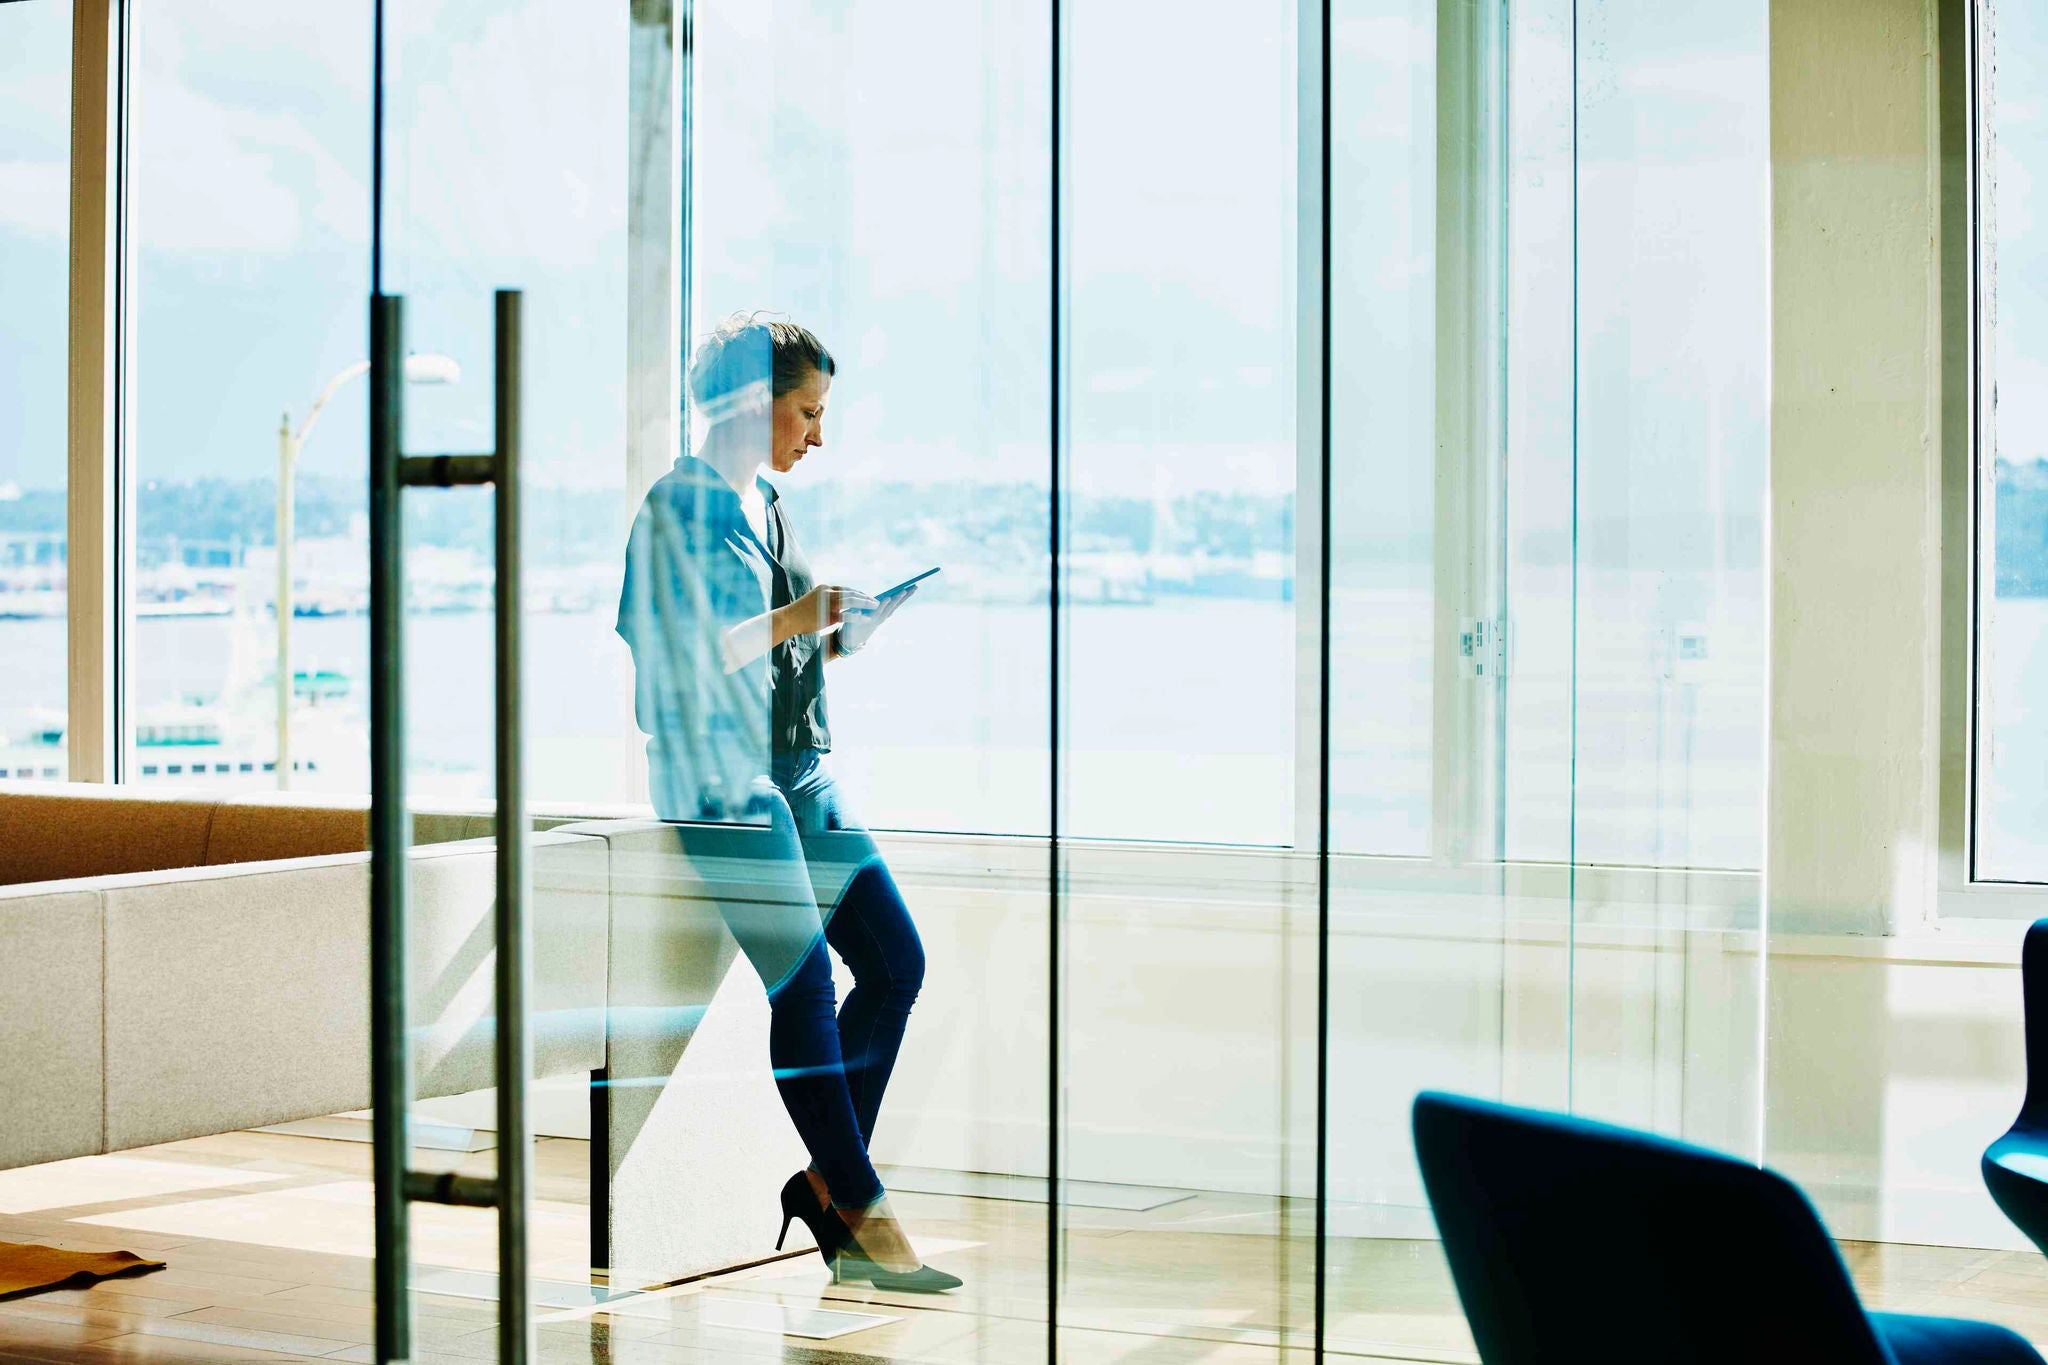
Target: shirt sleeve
(740, 645)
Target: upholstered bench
(181, 965)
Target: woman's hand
(820, 609)
(861, 629)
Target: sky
(35, 122)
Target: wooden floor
(267, 1241)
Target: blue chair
(1579, 1242)
(2016, 1166)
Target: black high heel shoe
(828, 1229)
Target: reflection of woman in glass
(730, 637)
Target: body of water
(1179, 722)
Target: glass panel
(1383, 354)
(248, 219)
(1669, 650)
(879, 183)
(505, 167)
(1180, 561)
(1546, 671)
(35, 207)
(1418, 955)
(935, 450)
(1592, 292)
(1178, 686)
(1540, 510)
(2012, 358)
(879, 176)
(488, 189)
(1673, 245)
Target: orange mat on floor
(26, 1267)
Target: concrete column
(1855, 466)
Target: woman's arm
(818, 610)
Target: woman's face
(799, 422)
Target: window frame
(97, 552)
(1963, 893)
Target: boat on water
(198, 741)
(34, 749)
(227, 735)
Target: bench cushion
(55, 832)
(82, 831)
(256, 829)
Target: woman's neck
(737, 462)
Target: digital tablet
(887, 593)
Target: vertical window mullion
(96, 528)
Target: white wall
(1894, 1063)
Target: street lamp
(419, 369)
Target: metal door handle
(396, 1185)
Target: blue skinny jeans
(832, 1061)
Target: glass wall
(1418, 913)
(504, 167)
(1671, 660)
(2012, 529)
(880, 179)
(35, 199)
(1058, 897)
(1184, 1067)
(1549, 423)
(1339, 667)
(818, 299)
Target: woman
(730, 637)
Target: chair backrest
(2034, 987)
(1579, 1241)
